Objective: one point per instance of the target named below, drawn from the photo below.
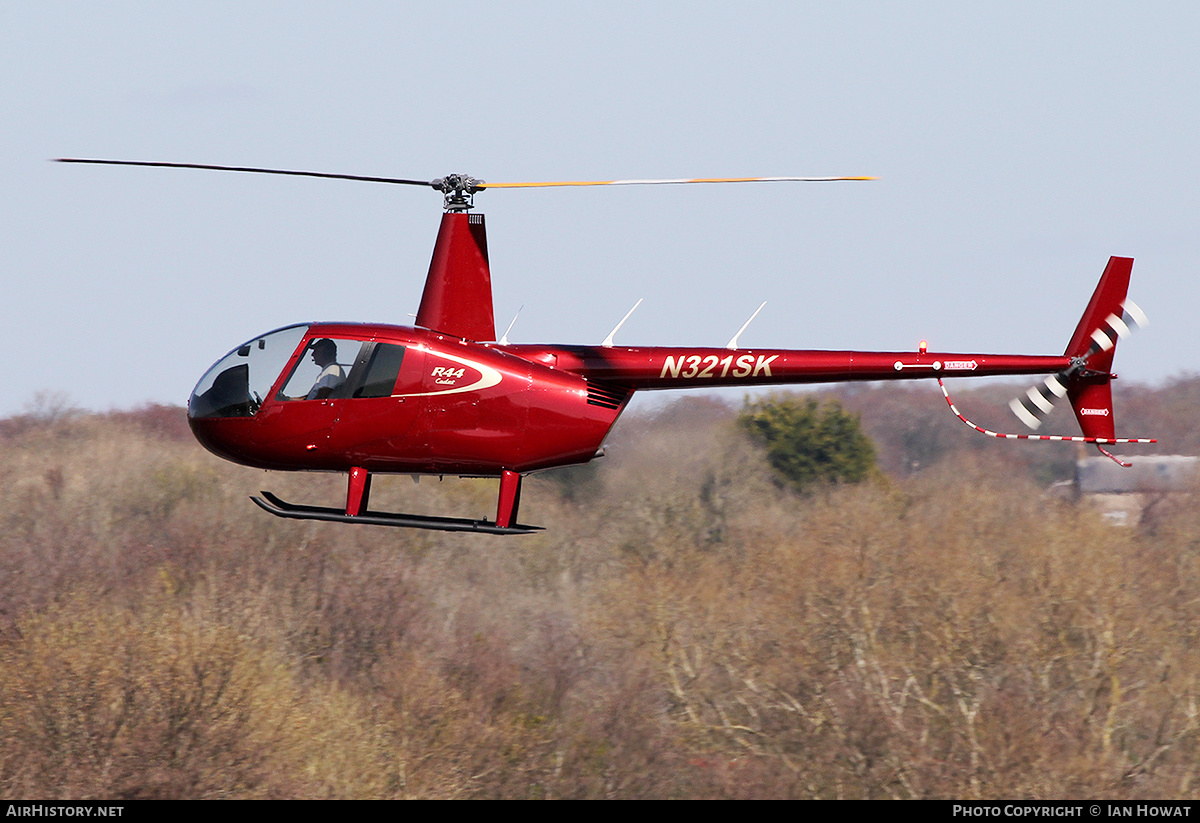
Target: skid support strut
(358, 492)
(510, 499)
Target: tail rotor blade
(1131, 313)
(1116, 328)
(1032, 407)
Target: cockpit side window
(380, 369)
(323, 370)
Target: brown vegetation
(683, 628)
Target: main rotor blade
(668, 182)
(400, 181)
(452, 183)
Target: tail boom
(679, 368)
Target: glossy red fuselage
(466, 408)
(457, 408)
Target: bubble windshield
(236, 385)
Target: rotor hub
(458, 190)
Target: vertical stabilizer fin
(1096, 336)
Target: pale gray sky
(1018, 146)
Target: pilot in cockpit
(324, 354)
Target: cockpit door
(375, 419)
(300, 415)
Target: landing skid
(281, 508)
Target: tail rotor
(1087, 382)
(1109, 317)
(1037, 402)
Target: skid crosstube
(281, 508)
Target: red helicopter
(444, 397)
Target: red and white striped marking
(1059, 437)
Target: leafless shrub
(683, 628)
(149, 703)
